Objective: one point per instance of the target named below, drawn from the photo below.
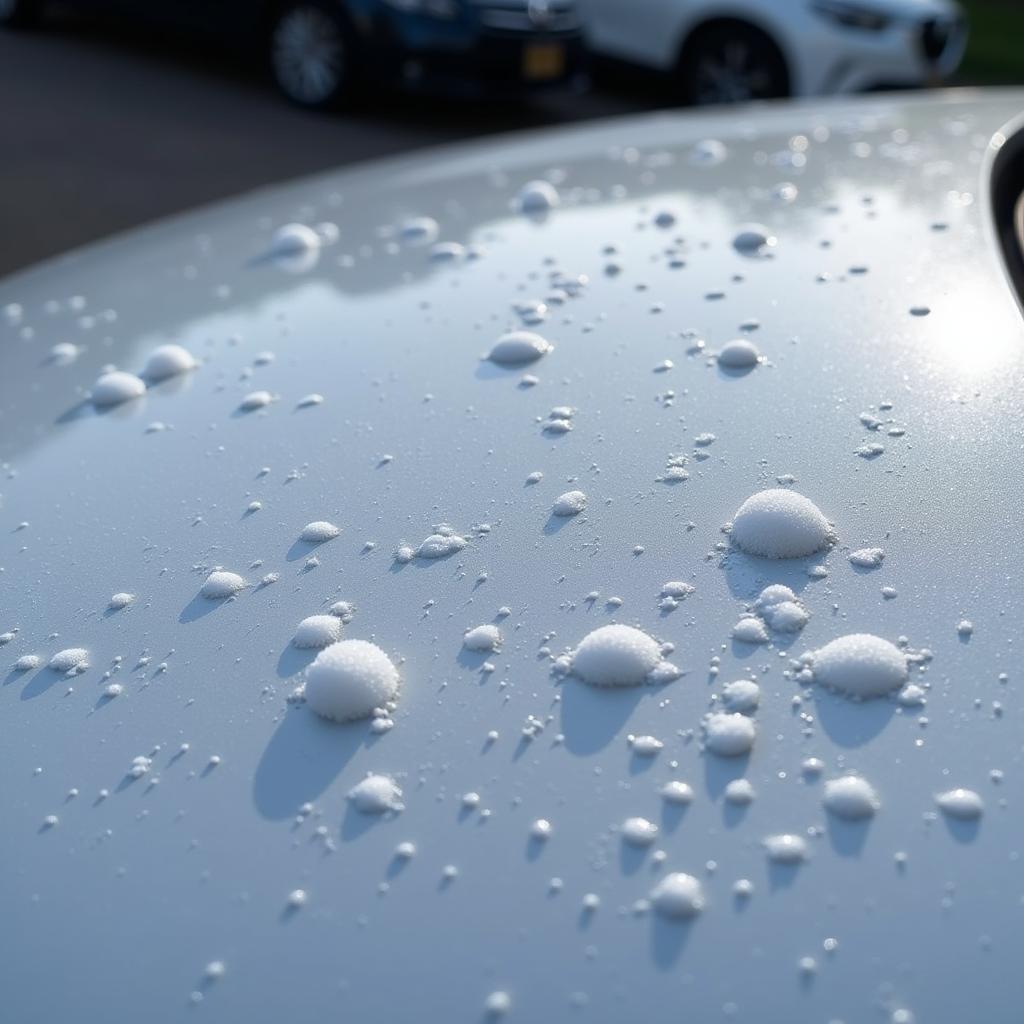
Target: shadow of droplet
(851, 723)
(304, 756)
(201, 606)
(534, 847)
(556, 523)
(668, 940)
(782, 876)
(631, 857)
(963, 831)
(847, 837)
(294, 659)
(591, 717)
(672, 815)
(304, 548)
(40, 682)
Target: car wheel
(19, 13)
(732, 63)
(311, 56)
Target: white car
(725, 51)
(650, 488)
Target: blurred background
(115, 113)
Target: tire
(312, 54)
(731, 62)
(19, 13)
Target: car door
(644, 32)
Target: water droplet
(482, 638)
(962, 804)
(786, 848)
(743, 695)
(616, 656)
(867, 558)
(851, 797)
(678, 896)
(221, 584)
(729, 734)
(754, 240)
(676, 792)
(639, 831)
(318, 532)
(537, 197)
(317, 631)
(68, 659)
(376, 794)
(740, 354)
(119, 601)
(116, 387)
(860, 665)
(518, 347)
(349, 679)
(571, 503)
(777, 523)
(168, 361)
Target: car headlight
(445, 9)
(850, 14)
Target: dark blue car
(321, 51)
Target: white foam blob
(255, 400)
(376, 794)
(645, 746)
(317, 631)
(962, 804)
(168, 361)
(517, 348)
(781, 609)
(572, 503)
(295, 245)
(440, 545)
(615, 656)
(867, 558)
(750, 630)
(116, 387)
(537, 197)
(740, 792)
(743, 695)
(786, 848)
(318, 532)
(676, 792)
(497, 1004)
(777, 523)
(729, 734)
(541, 829)
(851, 797)
(678, 896)
(349, 680)
(119, 601)
(740, 354)
(860, 665)
(69, 658)
(27, 662)
(220, 584)
(482, 638)
(639, 831)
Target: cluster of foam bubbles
(349, 680)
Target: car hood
(888, 393)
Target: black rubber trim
(1007, 192)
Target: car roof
(887, 392)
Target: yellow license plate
(543, 60)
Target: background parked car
(724, 51)
(320, 52)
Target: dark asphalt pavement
(104, 127)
